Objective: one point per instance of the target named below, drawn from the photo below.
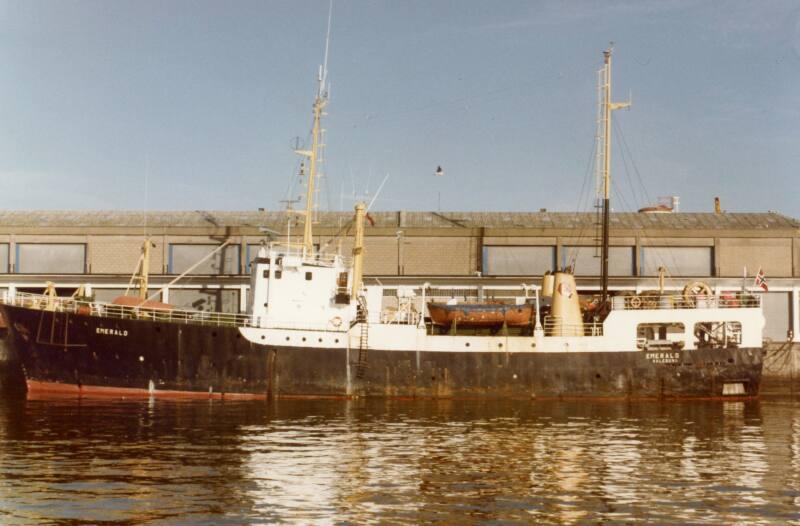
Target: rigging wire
(640, 226)
(667, 253)
(624, 157)
(574, 252)
(626, 148)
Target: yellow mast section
(358, 250)
(313, 157)
(144, 277)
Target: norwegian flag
(761, 280)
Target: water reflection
(399, 462)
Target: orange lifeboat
(479, 315)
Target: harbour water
(399, 462)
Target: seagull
(439, 171)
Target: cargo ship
(315, 329)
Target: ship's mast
(604, 155)
(316, 144)
(358, 250)
(144, 275)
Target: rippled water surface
(333, 462)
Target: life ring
(336, 321)
(695, 290)
(635, 302)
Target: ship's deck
(111, 310)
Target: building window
(51, 258)
(679, 261)
(206, 300)
(586, 260)
(4, 258)
(777, 308)
(251, 254)
(518, 260)
(184, 256)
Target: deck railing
(722, 301)
(553, 326)
(111, 310)
(281, 249)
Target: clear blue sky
(205, 97)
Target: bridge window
(660, 336)
(718, 334)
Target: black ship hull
(702, 373)
(85, 355)
(65, 352)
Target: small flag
(761, 280)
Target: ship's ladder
(363, 345)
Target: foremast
(604, 158)
(313, 155)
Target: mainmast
(316, 144)
(604, 158)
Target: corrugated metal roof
(273, 219)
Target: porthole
(287, 338)
(304, 338)
(320, 340)
(337, 340)
(262, 337)
(466, 344)
(500, 345)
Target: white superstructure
(305, 302)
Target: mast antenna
(323, 77)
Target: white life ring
(336, 321)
